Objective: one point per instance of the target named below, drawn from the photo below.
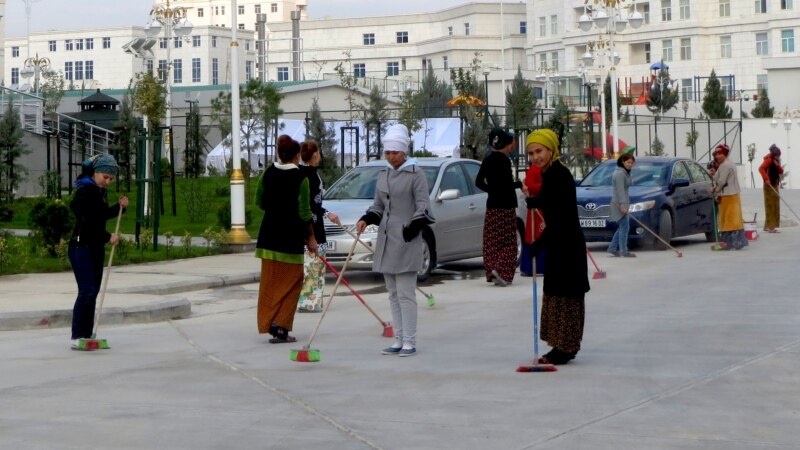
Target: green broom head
(431, 301)
(305, 355)
(89, 344)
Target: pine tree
(325, 136)
(520, 103)
(376, 113)
(663, 94)
(762, 108)
(608, 103)
(12, 148)
(714, 105)
(433, 96)
(127, 128)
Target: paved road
(698, 352)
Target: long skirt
(562, 322)
(278, 292)
(772, 207)
(311, 295)
(500, 243)
(731, 223)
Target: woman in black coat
(565, 269)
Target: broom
(308, 354)
(784, 201)
(716, 246)
(93, 343)
(680, 255)
(536, 366)
(429, 297)
(598, 274)
(388, 331)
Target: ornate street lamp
(610, 17)
(34, 66)
(600, 51)
(546, 72)
(742, 96)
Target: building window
(725, 50)
(106, 42)
(647, 53)
(248, 70)
(786, 4)
(283, 74)
(162, 42)
(761, 83)
(214, 71)
(542, 26)
(241, 26)
(52, 45)
(666, 10)
(68, 45)
(762, 44)
(195, 70)
(177, 71)
(761, 6)
(257, 9)
(68, 71)
(149, 64)
(392, 69)
(724, 8)
(162, 70)
(177, 42)
(78, 44)
(15, 76)
(402, 37)
(369, 38)
(450, 31)
(195, 41)
(89, 44)
(553, 25)
(199, 12)
(523, 27)
(666, 50)
(89, 68)
(241, 9)
(686, 49)
(542, 59)
(687, 93)
(78, 70)
(466, 28)
(222, 10)
(685, 10)
(787, 41)
(273, 7)
(15, 52)
(359, 70)
(445, 63)
(213, 41)
(554, 61)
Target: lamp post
(685, 107)
(546, 72)
(173, 20)
(600, 51)
(33, 67)
(661, 84)
(787, 125)
(238, 233)
(583, 72)
(742, 96)
(610, 18)
(486, 84)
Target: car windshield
(646, 173)
(360, 183)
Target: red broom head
(537, 368)
(388, 331)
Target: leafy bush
(223, 191)
(224, 215)
(51, 221)
(6, 212)
(196, 200)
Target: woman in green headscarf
(565, 269)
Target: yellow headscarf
(546, 137)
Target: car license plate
(593, 223)
(331, 246)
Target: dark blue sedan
(672, 196)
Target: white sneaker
(74, 344)
(497, 280)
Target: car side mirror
(679, 182)
(448, 194)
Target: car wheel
(520, 239)
(710, 236)
(664, 230)
(428, 256)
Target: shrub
(224, 215)
(223, 191)
(51, 221)
(6, 212)
(196, 201)
(145, 239)
(186, 242)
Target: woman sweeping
(771, 171)
(286, 230)
(726, 190)
(620, 202)
(313, 266)
(401, 210)
(565, 268)
(89, 237)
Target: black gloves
(532, 202)
(371, 218)
(414, 228)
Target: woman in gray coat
(401, 209)
(620, 202)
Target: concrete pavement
(698, 352)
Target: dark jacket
(315, 198)
(496, 178)
(283, 195)
(565, 267)
(91, 210)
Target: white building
(218, 12)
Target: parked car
(672, 196)
(456, 204)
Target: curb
(59, 318)
(191, 285)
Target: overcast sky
(73, 14)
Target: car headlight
(642, 206)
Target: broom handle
(535, 303)
(105, 276)
(333, 292)
(651, 232)
(784, 201)
(358, 296)
(371, 250)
